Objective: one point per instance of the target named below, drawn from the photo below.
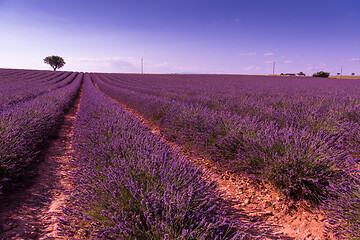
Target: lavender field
(131, 185)
(31, 105)
(299, 134)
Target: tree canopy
(55, 62)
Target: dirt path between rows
(34, 211)
(260, 209)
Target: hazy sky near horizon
(183, 36)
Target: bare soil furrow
(33, 212)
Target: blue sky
(183, 36)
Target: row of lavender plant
(332, 106)
(320, 104)
(25, 127)
(302, 162)
(10, 73)
(28, 89)
(130, 185)
(20, 81)
(10, 77)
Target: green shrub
(321, 74)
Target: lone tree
(55, 62)
(321, 74)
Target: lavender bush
(343, 210)
(130, 185)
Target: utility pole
(341, 72)
(274, 68)
(142, 66)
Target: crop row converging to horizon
(299, 134)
